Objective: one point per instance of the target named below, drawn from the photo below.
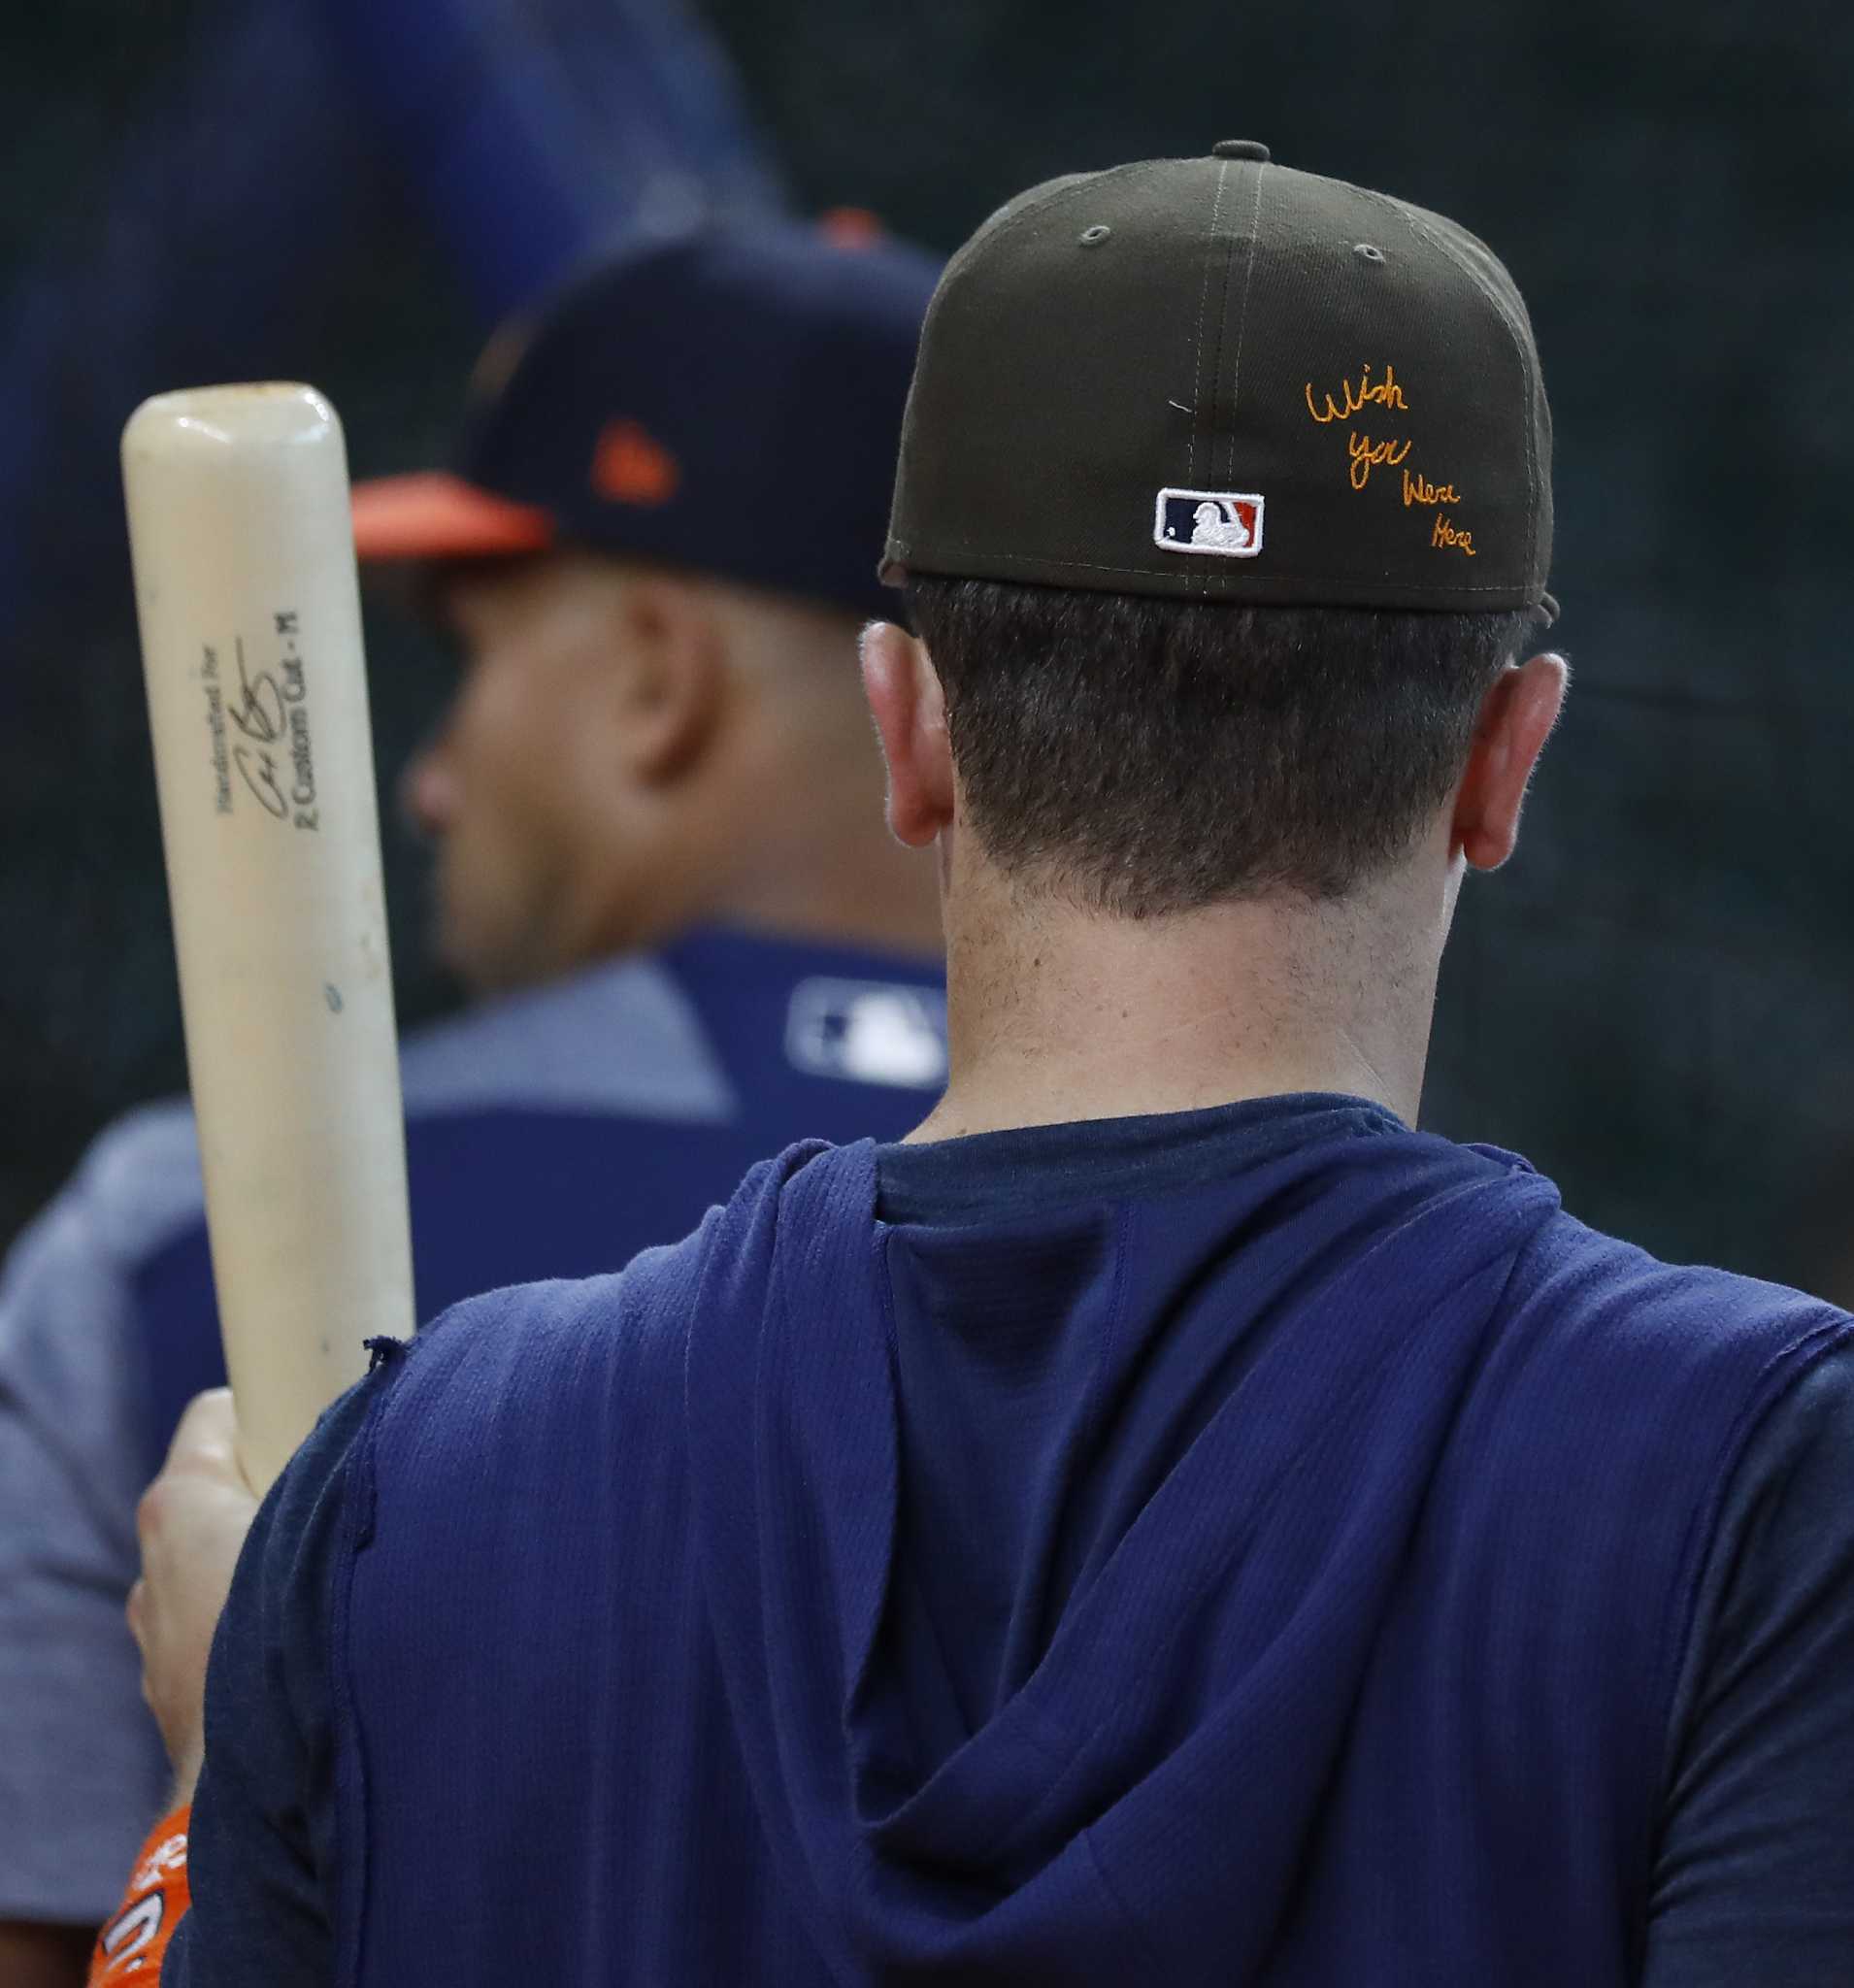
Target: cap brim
(435, 515)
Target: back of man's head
(1142, 756)
(1224, 500)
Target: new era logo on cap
(1226, 523)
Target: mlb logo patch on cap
(1226, 523)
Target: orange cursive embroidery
(1445, 533)
(1420, 490)
(1358, 395)
(1367, 454)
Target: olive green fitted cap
(1220, 379)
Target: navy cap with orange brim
(728, 399)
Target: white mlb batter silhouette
(1216, 524)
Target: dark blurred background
(1652, 1002)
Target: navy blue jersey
(554, 1134)
(1261, 1545)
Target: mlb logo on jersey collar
(1226, 523)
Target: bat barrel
(250, 611)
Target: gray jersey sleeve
(81, 1773)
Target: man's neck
(1058, 1014)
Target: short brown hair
(1143, 756)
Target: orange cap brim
(435, 515)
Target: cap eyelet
(1090, 237)
(1367, 253)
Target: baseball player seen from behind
(659, 861)
(1166, 1519)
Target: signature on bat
(257, 710)
(260, 709)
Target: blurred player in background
(655, 807)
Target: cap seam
(1242, 320)
(1204, 298)
(1208, 572)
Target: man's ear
(909, 710)
(669, 674)
(1517, 717)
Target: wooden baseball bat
(250, 611)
